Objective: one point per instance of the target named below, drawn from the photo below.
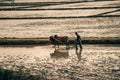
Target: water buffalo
(57, 40)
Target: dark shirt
(78, 38)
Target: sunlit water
(87, 27)
(96, 61)
(95, 27)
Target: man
(78, 42)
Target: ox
(57, 40)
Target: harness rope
(58, 40)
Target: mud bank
(32, 41)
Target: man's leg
(80, 45)
(76, 47)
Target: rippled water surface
(95, 62)
(25, 18)
(43, 18)
(100, 27)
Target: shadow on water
(63, 53)
(59, 53)
(78, 53)
(6, 74)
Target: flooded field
(100, 27)
(95, 62)
(43, 18)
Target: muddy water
(95, 62)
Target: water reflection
(60, 53)
(78, 53)
(97, 63)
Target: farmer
(78, 42)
